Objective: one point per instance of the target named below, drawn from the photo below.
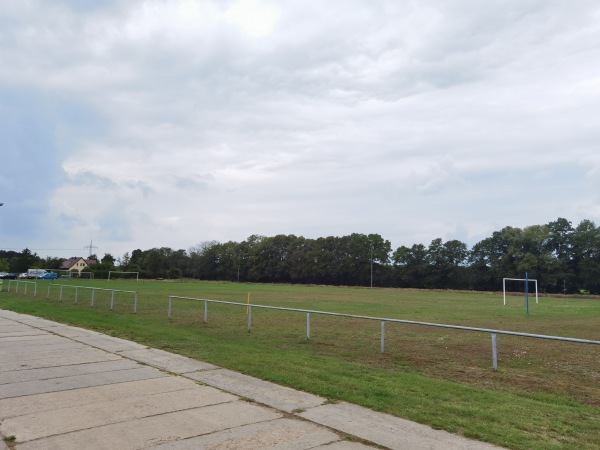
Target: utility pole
(90, 247)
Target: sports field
(545, 394)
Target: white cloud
(167, 123)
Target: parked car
(23, 275)
(8, 276)
(48, 276)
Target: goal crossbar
(137, 274)
(519, 279)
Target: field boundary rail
(94, 289)
(10, 282)
(383, 320)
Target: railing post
(60, 295)
(25, 292)
(249, 318)
(205, 311)
(308, 326)
(93, 293)
(494, 353)
(135, 303)
(112, 300)
(76, 294)
(170, 301)
(382, 336)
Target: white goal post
(110, 272)
(519, 279)
(89, 275)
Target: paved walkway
(63, 387)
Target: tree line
(562, 257)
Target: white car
(23, 275)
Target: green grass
(544, 396)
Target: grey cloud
(195, 182)
(408, 119)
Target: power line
(44, 249)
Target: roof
(68, 263)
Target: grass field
(545, 394)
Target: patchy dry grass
(544, 395)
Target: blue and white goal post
(526, 280)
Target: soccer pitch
(544, 395)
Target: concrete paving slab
(109, 343)
(92, 397)
(71, 350)
(19, 406)
(167, 361)
(78, 381)
(280, 397)
(281, 434)
(46, 373)
(6, 314)
(389, 431)
(7, 327)
(43, 424)
(55, 344)
(29, 332)
(70, 332)
(345, 445)
(79, 357)
(154, 430)
(14, 326)
(36, 322)
(41, 337)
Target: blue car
(48, 276)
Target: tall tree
(203, 260)
(446, 264)
(154, 263)
(412, 266)
(108, 259)
(25, 260)
(560, 243)
(586, 256)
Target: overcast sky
(141, 124)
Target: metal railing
(383, 321)
(25, 283)
(93, 289)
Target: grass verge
(545, 396)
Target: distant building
(77, 264)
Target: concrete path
(63, 387)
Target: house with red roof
(77, 264)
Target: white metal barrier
(383, 321)
(93, 289)
(26, 283)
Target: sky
(154, 123)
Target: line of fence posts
(24, 283)
(93, 289)
(492, 332)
